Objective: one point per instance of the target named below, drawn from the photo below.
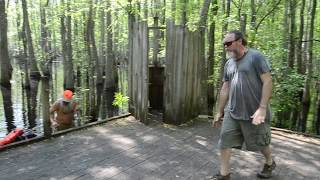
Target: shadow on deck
(127, 149)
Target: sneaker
(220, 177)
(267, 170)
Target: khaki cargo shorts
(235, 133)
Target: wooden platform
(127, 149)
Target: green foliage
(120, 100)
(287, 86)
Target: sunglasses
(230, 42)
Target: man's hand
(259, 116)
(218, 118)
(54, 124)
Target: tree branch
(235, 4)
(311, 40)
(273, 8)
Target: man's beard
(232, 53)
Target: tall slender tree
(46, 70)
(111, 80)
(6, 68)
(66, 39)
(32, 86)
(306, 98)
(211, 55)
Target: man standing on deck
(243, 108)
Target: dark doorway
(156, 79)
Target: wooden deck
(127, 149)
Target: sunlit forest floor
(127, 149)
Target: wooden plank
(189, 81)
(66, 149)
(168, 85)
(183, 74)
(178, 75)
(145, 73)
(160, 152)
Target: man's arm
(260, 115)
(222, 101)
(266, 89)
(53, 108)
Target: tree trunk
(210, 61)
(226, 12)
(6, 68)
(66, 39)
(292, 34)
(111, 80)
(306, 99)
(299, 43)
(253, 15)
(97, 69)
(69, 81)
(173, 10)
(145, 9)
(184, 19)
(243, 24)
(45, 68)
(204, 14)
(34, 71)
(102, 58)
(285, 32)
(95, 77)
(299, 54)
(77, 56)
(131, 20)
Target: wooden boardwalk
(127, 149)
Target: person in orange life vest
(65, 108)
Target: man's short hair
(238, 35)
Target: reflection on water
(19, 111)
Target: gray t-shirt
(245, 84)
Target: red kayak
(11, 136)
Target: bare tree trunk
(243, 24)
(253, 15)
(299, 54)
(292, 34)
(6, 68)
(131, 20)
(32, 91)
(46, 71)
(111, 80)
(306, 99)
(98, 74)
(204, 14)
(184, 19)
(95, 77)
(145, 9)
(291, 53)
(210, 61)
(285, 31)
(69, 82)
(78, 59)
(226, 11)
(66, 39)
(299, 43)
(102, 57)
(173, 10)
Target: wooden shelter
(179, 86)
